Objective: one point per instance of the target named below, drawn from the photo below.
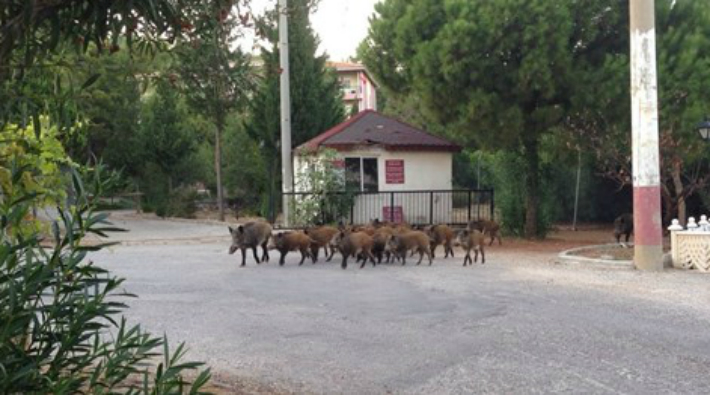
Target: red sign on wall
(394, 171)
(393, 214)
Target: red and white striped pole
(648, 236)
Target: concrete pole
(648, 237)
(286, 164)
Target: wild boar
(370, 230)
(251, 235)
(355, 244)
(292, 241)
(321, 237)
(441, 235)
(380, 245)
(487, 227)
(623, 225)
(413, 240)
(471, 240)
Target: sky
(340, 24)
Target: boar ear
(240, 229)
(230, 229)
(305, 231)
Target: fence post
(392, 207)
(431, 207)
(469, 206)
(352, 208)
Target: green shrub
(61, 327)
(182, 203)
(509, 184)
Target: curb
(567, 257)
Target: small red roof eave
(316, 142)
(397, 147)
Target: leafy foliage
(315, 91)
(503, 69)
(326, 199)
(40, 163)
(57, 307)
(215, 77)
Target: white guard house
(400, 173)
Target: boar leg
(344, 265)
(265, 257)
(483, 256)
(244, 256)
(403, 257)
(421, 256)
(433, 249)
(372, 258)
(304, 255)
(451, 250)
(430, 260)
(256, 255)
(283, 257)
(314, 253)
(628, 234)
(475, 257)
(330, 257)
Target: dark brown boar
(415, 240)
(471, 240)
(322, 236)
(441, 235)
(292, 241)
(380, 247)
(623, 225)
(487, 227)
(251, 235)
(355, 244)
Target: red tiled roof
(372, 128)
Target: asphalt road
(518, 324)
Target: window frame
(361, 167)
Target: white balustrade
(690, 248)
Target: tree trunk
(218, 167)
(532, 180)
(678, 189)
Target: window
(369, 175)
(352, 174)
(361, 174)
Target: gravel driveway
(518, 324)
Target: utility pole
(576, 189)
(286, 164)
(648, 237)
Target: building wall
(357, 88)
(423, 171)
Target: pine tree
(315, 92)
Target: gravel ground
(518, 324)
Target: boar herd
(377, 242)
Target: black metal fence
(454, 207)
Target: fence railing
(454, 207)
